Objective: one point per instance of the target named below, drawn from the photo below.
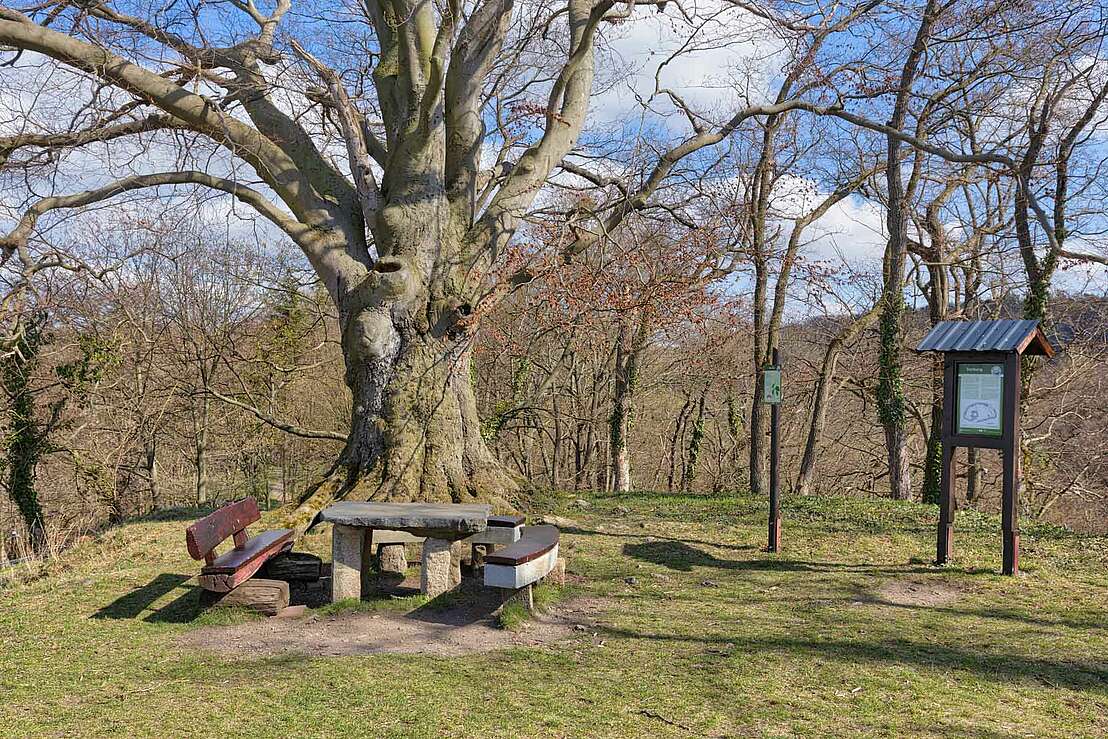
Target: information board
(771, 385)
(980, 399)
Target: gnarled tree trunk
(415, 433)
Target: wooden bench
(520, 564)
(231, 572)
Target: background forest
(169, 347)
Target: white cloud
(706, 59)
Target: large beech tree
(400, 240)
(409, 237)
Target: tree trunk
(678, 433)
(628, 351)
(896, 442)
(973, 476)
(819, 414)
(425, 442)
(932, 463)
(891, 400)
(695, 441)
(201, 460)
(152, 472)
(415, 434)
(26, 440)
(823, 392)
(759, 425)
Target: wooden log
(269, 597)
(293, 567)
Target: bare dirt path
(444, 632)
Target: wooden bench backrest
(207, 533)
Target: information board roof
(1020, 336)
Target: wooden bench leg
(477, 555)
(346, 566)
(437, 566)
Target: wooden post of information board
(945, 547)
(1010, 502)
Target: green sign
(980, 396)
(771, 385)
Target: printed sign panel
(771, 385)
(980, 399)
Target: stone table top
(433, 520)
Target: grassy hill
(694, 631)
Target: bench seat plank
(235, 567)
(534, 542)
(523, 562)
(265, 544)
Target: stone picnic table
(440, 524)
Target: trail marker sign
(771, 384)
(772, 395)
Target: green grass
(513, 616)
(714, 637)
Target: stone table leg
(391, 558)
(366, 575)
(346, 562)
(436, 576)
(457, 556)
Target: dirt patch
(447, 632)
(915, 593)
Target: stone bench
(391, 556)
(519, 565)
(501, 531)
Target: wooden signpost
(981, 407)
(772, 395)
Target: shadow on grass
(466, 604)
(1092, 676)
(132, 604)
(678, 555)
(1093, 621)
(592, 532)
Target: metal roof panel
(982, 336)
